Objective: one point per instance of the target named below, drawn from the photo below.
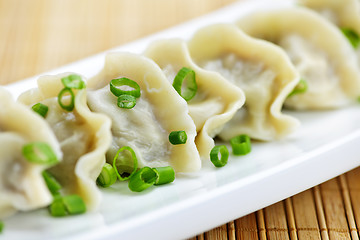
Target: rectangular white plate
(326, 145)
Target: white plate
(326, 145)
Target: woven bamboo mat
(39, 35)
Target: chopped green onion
(120, 86)
(301, 87)
(52, 184)
(126, 101)
(219, 161)
(57, 207)
(125, 175)
(70, 106)
(40, 109)
(164, 175)
(142, 179)
(185, 83)
(39, 152)
(107, 176)
(352, 36)
(241, 144)
(73, 81)
(74, 204)
(1, 226)
(177, 137)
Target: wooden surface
(39, 35)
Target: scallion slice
(57, 207)
(241, 144)
(126, 101)
(219, 161)
(301, 87)
(61, 99)
(107, 176)
(177, 137)
(352, 36)
(1, 226)
(120, 162)
(164, 175)
(74, 204)
(73, 81)
(39, 152)
(52, 184)
(124, 86)
(142, 179)
(40, 108)
(185, 83)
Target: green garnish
(241, 144)
(52, 184)
(185, 83)
(40, 109)
(142, 179)
(126, 101)
(107, 176)
(1, 226)
(301, 87)
(124, 86)
(67, 205)
(120, 162)
(164, 175)
(177, 137)
(352, 36)
(224, 155)
(39, 152)
(73, 81)
(70, 106)
(57, 207)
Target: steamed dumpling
(22, 187)
(146, 127)
(260, 69)
(216, 100)
(319, 51)
(84, 137)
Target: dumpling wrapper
(344, 14)
(84, 137)
(319, 51)
(216, 100)
(146, 127)
(22, 187)
(261, 69)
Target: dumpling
(84, 137)
(146, 127)
(345, 14)
(260, 69)
(216, 100)
(22, 187)
(319, 51)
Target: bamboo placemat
(39, 35)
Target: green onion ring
(73, 81)
(52, 184)
(69, 107)
(74, 204)
(142, 179)
(164, 175)
(126, 101)
(57, 207)
(135, 161)
(185, 83)
(214, 155)
(241, 145)
(116, 84)
(177, 137)
(107, 176)
(352, 36)
(40, 108)
(1, 226)
(39, 152)
(301, 87)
